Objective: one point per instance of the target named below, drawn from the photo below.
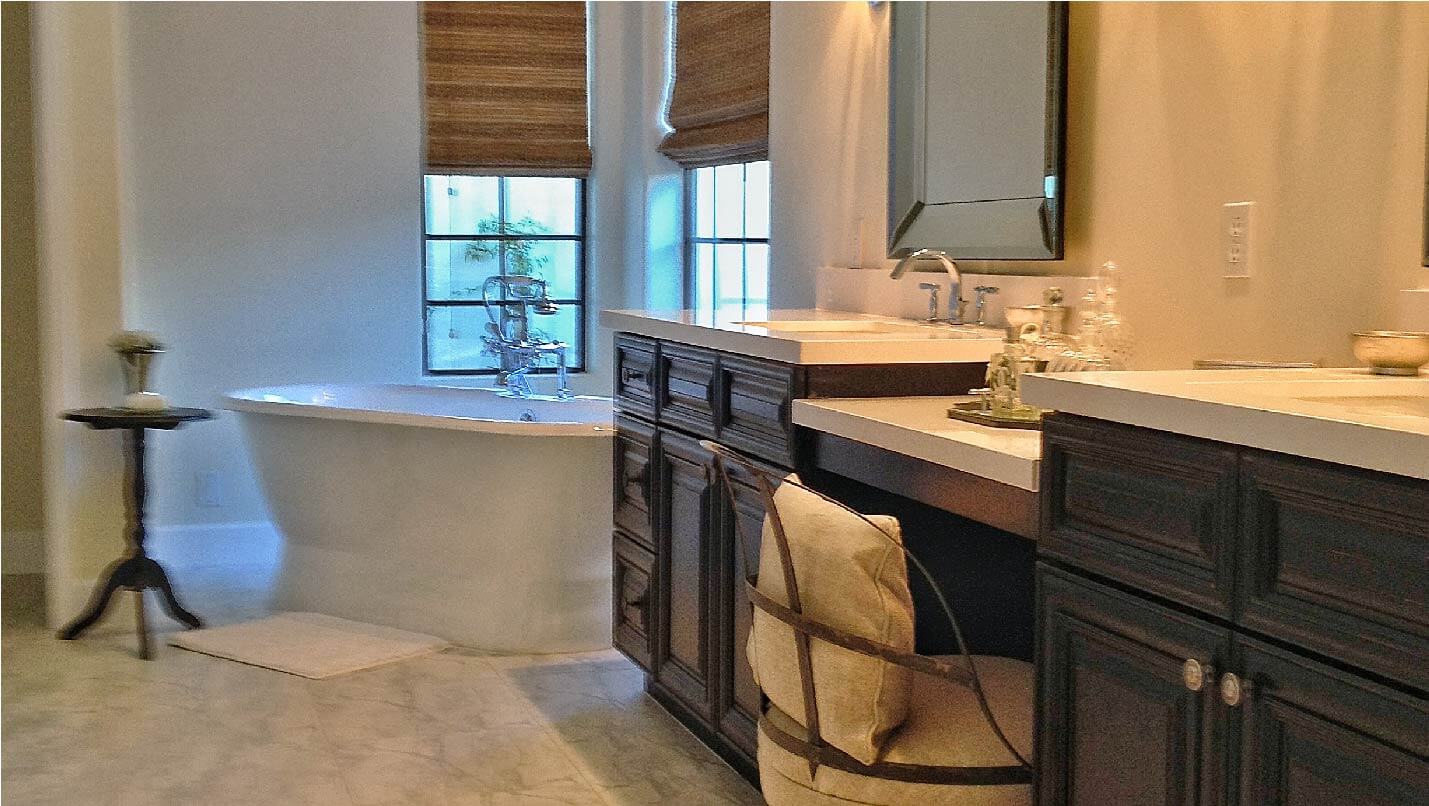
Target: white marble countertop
(920, 427)
(1347, 416)
(815, 337)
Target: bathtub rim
(244, 401)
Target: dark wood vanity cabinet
(697, 618)
(1222, 625)
(680, 608)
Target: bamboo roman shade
(719, 105)
(505, 88)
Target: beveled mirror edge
(1054, 168)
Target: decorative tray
(973, 412)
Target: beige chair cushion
(851, 577)
(945, 727)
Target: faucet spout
(955, 279)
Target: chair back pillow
(852, 577)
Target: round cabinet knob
(1234, 690)
(1195, 674)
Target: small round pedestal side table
(136, 571)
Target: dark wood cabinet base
(680, 612)
(736, 757)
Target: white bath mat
(308, 644)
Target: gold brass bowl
(1392, 352)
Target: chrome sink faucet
(955, 281)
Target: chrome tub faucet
(508, 336)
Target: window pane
(454, 338)
(560, 326)
(541, 205)
(729, 275)
(556, 262)
(729, 201)
(756, 276)
(756, 201)
(704, 202)
(704, 277)
(461, 205)
(456, 269)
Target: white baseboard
(22, 551)
(216, 545)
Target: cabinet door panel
(634, 600)
(1116, 721)
(1316, 736)
(633, 478)
(683, 543)
(739, 702)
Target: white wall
(270, 161)
(1314, 111)
(21, 499)
(248, 176)
(80, 290)
(272, 222)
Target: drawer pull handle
(628, 375)
(1195, 674)
(1234, 690)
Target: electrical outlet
(208, 489)
(1236, 228)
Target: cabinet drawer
(1153, 510)
(634, 600)
(635, 375)
(634, 444)
(686, 383)
(754, 408)
(1337, 561)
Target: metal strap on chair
(814, 749)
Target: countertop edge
(1346, 443)
(977, 460)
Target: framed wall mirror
(977, 122)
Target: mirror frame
(1051, 211)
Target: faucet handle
(932, 289)
(986, 289)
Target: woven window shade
(719, 105)
(505, 88)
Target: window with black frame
(727, 237)
(506, 147)
(479, 227)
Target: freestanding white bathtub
(455, 512)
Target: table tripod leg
(142, 623)
(98, 603)
(170, 602)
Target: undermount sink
(834, 326)
(869, 326)
(1381, 405)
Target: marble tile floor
(88, 723)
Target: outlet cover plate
(1237, 226)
